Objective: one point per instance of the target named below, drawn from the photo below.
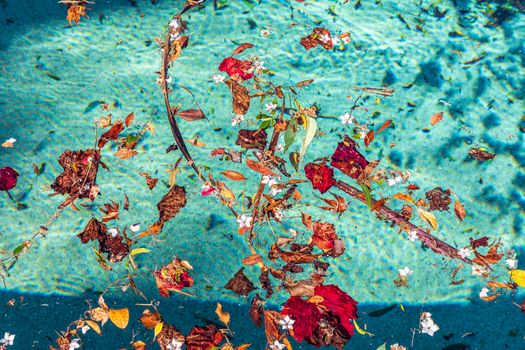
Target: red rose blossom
(347, 159)
(237, 68)
(8, 178)
(306, 316)
(340, 303)
(320, 175)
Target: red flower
(237, 68)
(347, 159)
(320, 175)
(305, 314)
(340, 303)
(8, 178)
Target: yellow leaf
(286, 342)
(428, 217)
(223, 315)
(139, 345)
(119, 317)
(404, 197)
(94, 326)
(158, 329)
(137, 251)
(243, 346)
(360, 331)
(402, 307)
(518, 276)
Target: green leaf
(368, 194)
(290, 134)
(382, 347)
(311, 130)
(19, 249)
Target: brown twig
(388, 214)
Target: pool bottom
(35, 320)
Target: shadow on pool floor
(476, 326)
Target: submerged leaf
(119, 317)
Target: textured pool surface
(53, 77)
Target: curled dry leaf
(481, 155)
(428, 217)
(459, 209)
(111, 134)
(233, 175)
(240, 284)
(260, 168)
(191, 115)
(436, 118)
(319, 36)
(242, 48)
(150, 319)
(438, 198)
(252, 259)
(252, 139)
(110, 211)
(223, 315)
(173, 277)
(241, 97)
(171, 203)
(150, 181)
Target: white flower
(175, 345)
(394, 181)
(293, 232)
(335, 40)
(347, 118)
(244, 221)
(412, 235)
(8, 339)
(270, 181)
(134, 228)
(287, 322)
(113, 232)
(279, 148)
(278, 215)
(270, 107)
(169, 80)
(427, 324)
(258, 65)
(405, 272)
(9, 143)
(218, 78)
(511, 263)
(345, 38)
(484, 292)
(265, 32)
(85, 329)
(396, 346)
(73, 344)
(478, 270)
(464, 253)
(325, 38)
(277, 346)
(175, 24)
(237, 119)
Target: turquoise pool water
(53, 75)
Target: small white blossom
(335, 40)
(85, 329)
(134, 228)
(8, 339)
(484, 292)
(175, 24)
(113, 232)
(277, 346)
(9, 143)
(270, 107)
(478, 270)
(325, 38)
(464, 253)
(244, 221)
(394, 181)
(237, 119)
(396, 346)
(404, 272)
(287, 322)
(511, 263)
(218, 78)
(279, 148)
(258, 65)
(427, 324)
(412, 235)
(347, 118)
(293, 232)
(265, 32)
(175, 345)
(73, 344)
(169, 80)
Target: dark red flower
(347, 159)
(320, 175)
(305, 314)
(8, 178)
(340, 303)
(237, 68)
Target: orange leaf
(119, 317)
(233, 175)
(436, 118)
(129, 119)
(369, 137)
(459, 209)
(241, 48)
(404, 197)
(385, 125)
(260, 168)
(252, 260)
